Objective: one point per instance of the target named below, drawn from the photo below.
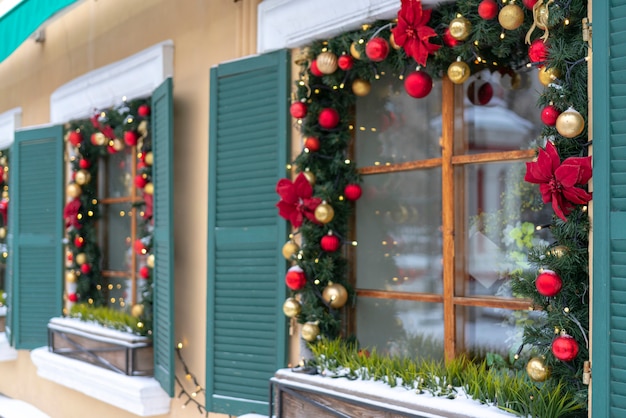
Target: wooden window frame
(452, 156)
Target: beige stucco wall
(96, 33)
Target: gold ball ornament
(559, 251)
(291, 307)
(548, 75)
(137, 310)
(82, 177)
(80, 259)
(511, 16)
(150, 261)
(290, 249)
(148, 188)
(335, 295)
(70, 276)
(73, 190)
(327, 62)
(98, 139)
(324, 213)
(361, 87)
(354, 51)
(310, 177)
(460, 28)
(117, 144)
(537, 369)
(570, 123)
(3, 232)
(310, 331)
(458, 72)
(149, 158)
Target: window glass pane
(503, 212)
(392, 127)
(118, 291)
(399, 327)
(115, 237)
(398, 232)
(118, 174)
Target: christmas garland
(122, 129)
(455, 40)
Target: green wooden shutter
(609, 209)
(246, 334)
(163, 235)
(35, 235)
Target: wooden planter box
(121, 352)
(295, 395)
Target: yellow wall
(96, 33)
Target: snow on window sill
(142, 396)
(7, 353)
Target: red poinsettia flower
(70, 214)
(411, 32)
(559, 181)
(296, 200)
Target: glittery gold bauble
(559, 251)
(149, 158)
(511, 17)
(73, 190)
(458, 72)
(570, 123)
(354, 51)
(310, 177)
(324, 213)
(98, 138)
(392, 42)
(5, 194)
(310, 331)
(460, 28)
(548, 75)
(148, 188)
(137, 310)
(70, 276)
(361, 87)
(336, 295)
(290, 249)
(81, 258)
(117, 144)
(3, 161)
(82, 177)
(3, 232)
(150, 261)
(537, 369)
(291, 307)
(327, 62)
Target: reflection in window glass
(117, 242)
(118, 174)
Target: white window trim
(9, 122)
(7, 353)
(133, 77)
(294, 23)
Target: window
(444, 218)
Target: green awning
(25, 18)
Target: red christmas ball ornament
(377, 49)
(449, 40)
(295, 279)
(298, 110)
(549, 115)
(314, 69)
(538, 51)
(418, 84)
(352, 192)
(548, 283)
(565, 348)
(75, 138)
(85, 268)
(144, 272)
(345, 62)
(84, 163)
(130, 138)
(479, 93)
(140, 181)
(529, 3)
(139, 247)
(143, 110)
(328, 118)
(488, 9)
(79, 242)
(312, 144)
(330, 243)
(72, 297)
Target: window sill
(296, 391)
(141, 396)
(7, 353)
